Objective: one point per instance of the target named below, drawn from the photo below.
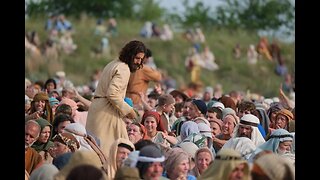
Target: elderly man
(248, 127)
(32, 158)
(280, 142)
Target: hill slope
(233, 74)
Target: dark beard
(133, 67)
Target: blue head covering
(277, 136)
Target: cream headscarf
(225, 162)
(112, 164)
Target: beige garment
(80, 158)
(112, 156)
(225, 162)
(105, 114)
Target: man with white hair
(32, 158)
(248, 127)
(280, 142)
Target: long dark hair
(130, 50)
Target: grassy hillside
(233, 74)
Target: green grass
(233, 74)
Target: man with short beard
(106, 112)
(32, 158)
(248, 127)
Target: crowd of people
(127, 130)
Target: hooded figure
(225, 162)
(112, 166)
(277, 136)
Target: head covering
(127, 173)
(205, 130)
(174, 157)
(277, 136)
(67, 139)
(132, 159)
(61, 74)
(42, 96)
(157, 116)
(243, 145)
(253, 121)
(189, 147)
(202, 120)
(53, 101)
(225, 162)
(218, 105)
(148, 155)
(209, 90)
(79, 158)
(45, 171)
(217, 121)
(274, 107)
(274, 167)
(210, 103)
(201, 105)
(78, 128)
(39, 146)
(112, 156)
(71, 103)
(227, 111)
(286, 113)
(264, 120)
(188, 128)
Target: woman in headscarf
(44, 144)
(151, 120)
(228, 165)
(40, 107)
(274, 108)
(229, 123)
(177, 164)
(203, 158)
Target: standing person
(108, 107)
(139, 81)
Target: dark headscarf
(39, 146)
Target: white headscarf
(253, 121)
(241, 144)
(80, 129)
